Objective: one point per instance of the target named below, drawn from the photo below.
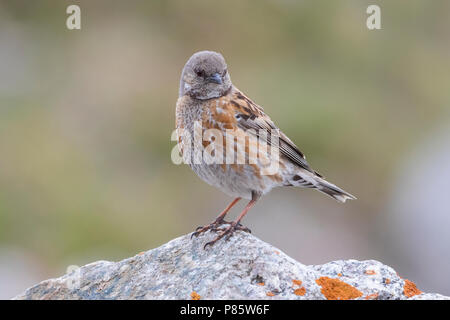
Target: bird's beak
(216, 78)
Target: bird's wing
(242, 112)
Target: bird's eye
(200, 73)
(224, 72)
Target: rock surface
(243, 267)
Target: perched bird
(208, 97)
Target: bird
(208, 100)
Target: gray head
(205, 76)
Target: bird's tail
(333, 191)
(310, 180)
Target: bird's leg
(235, 225)
(219, 220)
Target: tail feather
(307, 180)
(334, 191)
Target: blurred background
(86, 117)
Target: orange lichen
(277, 252)
(387, 281)
(370, 272)
(335, 289)
(270, 294)
(300, 291)
(297, 282)
(195, 295)
(372, 296)
(339, 274)
(260, 283)
(410, 289)
(141, 253)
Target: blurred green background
(86, 118)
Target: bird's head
(205, 76)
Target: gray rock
(243, 267)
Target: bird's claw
(227, 232)
(213, 227)
(242, 228)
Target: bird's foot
(238, 227)
(228, 232)
(212, 226)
